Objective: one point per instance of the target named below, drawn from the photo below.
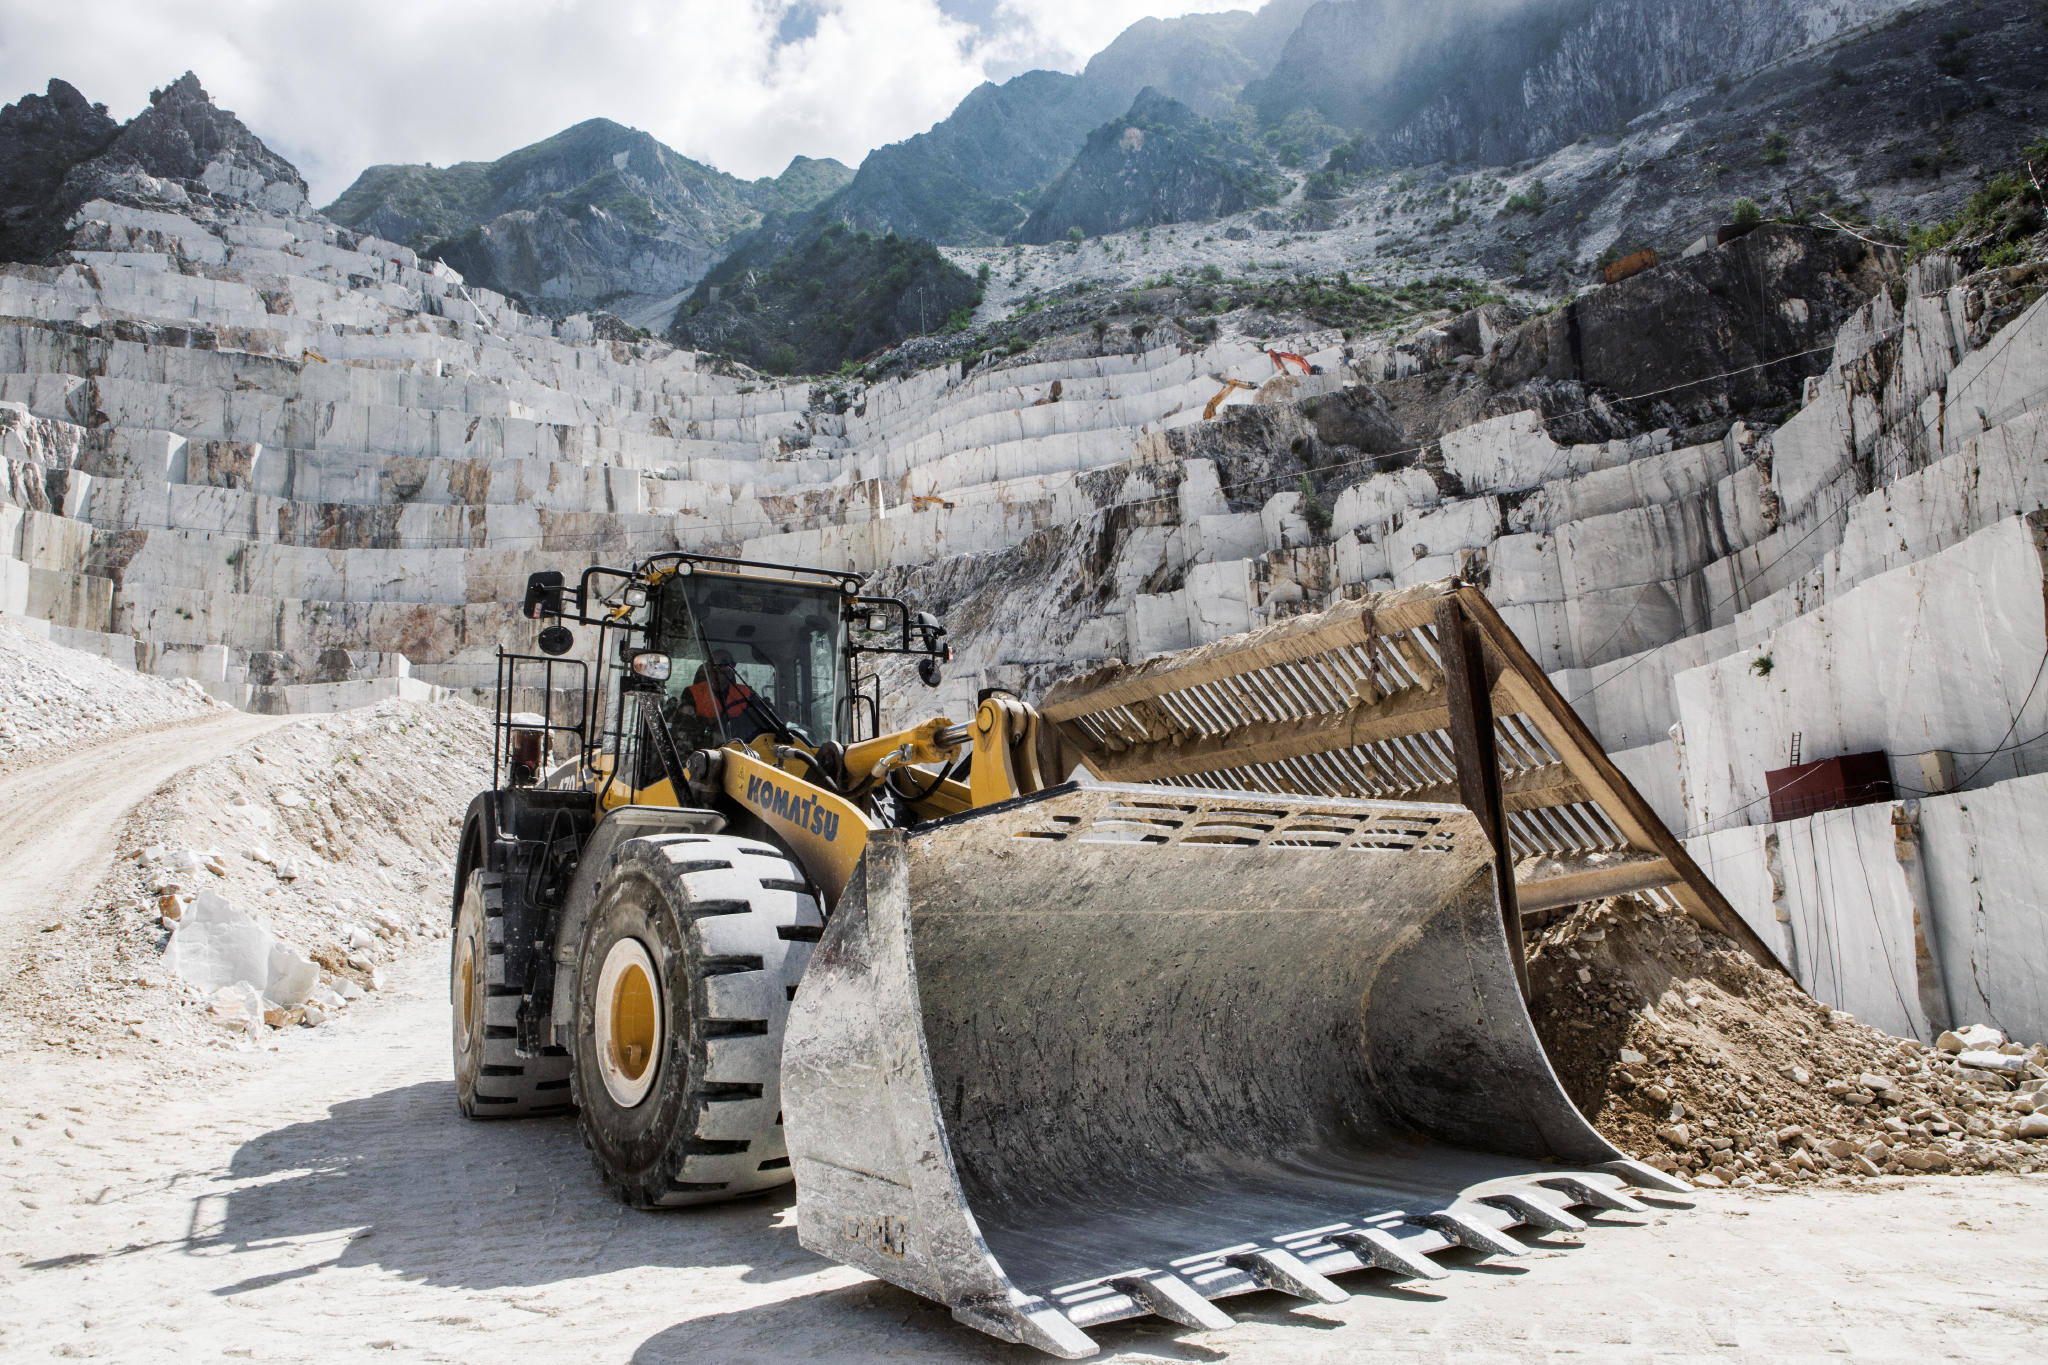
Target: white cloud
(339, 87)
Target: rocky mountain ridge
(975, 175)
(1480, 84)
(600, 215)
(1471, 82)
(57, 152)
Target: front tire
(492, 1081)
(683, 984)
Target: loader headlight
(636, 596)
(651, 666)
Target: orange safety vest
(736, 699)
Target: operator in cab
(720, 696)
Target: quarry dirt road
(325, 1202)
(60, 815)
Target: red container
(1831, 784)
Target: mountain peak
(184, 136)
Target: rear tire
(492, 1081)
(683, 983)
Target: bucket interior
(1147, 1047)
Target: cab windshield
(749, 654)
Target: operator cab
(697, 653)
(751, 657)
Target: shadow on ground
(422, 1192)
(873, 1320)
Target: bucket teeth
(1470, 1233)
(1537, 1213)
(1273, 1268)
(1647, 1177)
(1593, 1192)
(1381, 1251)
(1176, 1300)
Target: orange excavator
(1230, 386)
(1280, 359)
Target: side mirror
(544, 594)
(928, 671)
(650, 668)
(556, 640)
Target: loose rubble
(58, 696)
(266, 890)
(1682, 1049)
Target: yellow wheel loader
(1206, 980)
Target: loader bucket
(1117, 1050)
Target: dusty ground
(324, 1200)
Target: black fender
(474, 849)
(529, 836)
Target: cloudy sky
(741, 84)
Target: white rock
(287, 870)
(217, 946)
(238, 1007)
(350, 990)
(2033, 1126)
(1993, 1061)
(1981, 1038)
(1630, 1057)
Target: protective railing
(1422, 695)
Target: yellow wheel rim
(465, 994)
(630, 1023)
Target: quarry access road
(60, 816)
(325, 1202)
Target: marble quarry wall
(307, 469)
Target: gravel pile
(51, 696)
(1682, 1049)
(334, 833)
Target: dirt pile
(56, 697)
(1681, 1048)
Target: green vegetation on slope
(1997, 225)
(808, 300)
(1159, 163)
(597, 163)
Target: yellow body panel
(826, 832)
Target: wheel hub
(630, 1023)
